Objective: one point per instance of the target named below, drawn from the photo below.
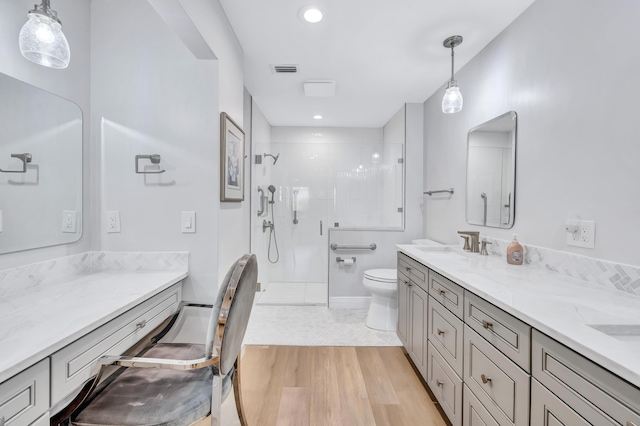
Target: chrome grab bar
(450, 191)
(262, 198)
(371, 246)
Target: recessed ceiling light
(310, 14)
(317, 117)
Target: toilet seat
(382, 275)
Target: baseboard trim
(349, 302)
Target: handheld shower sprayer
(271, 225)
(275, 157)
(272, 190)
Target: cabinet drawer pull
(440, 332)
(439, 383)
(141, 324)
(407, 268)
(485, 379)
(487, 325)
(441, 292)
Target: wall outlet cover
(584, 236)
(69, 221)
(113, 222)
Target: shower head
(275, 157)
(272, 189)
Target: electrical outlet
(113, 222)
(69, 221)
(584, 236)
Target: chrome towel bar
(371, 246)
(339, 259)
(450, 191)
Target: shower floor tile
(313, 326)
(277, 293)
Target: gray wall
(569, 69)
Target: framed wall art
(231, 160)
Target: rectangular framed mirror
(491, 172)
(40, 168)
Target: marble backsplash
(23, 278)
(609, 274)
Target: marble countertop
(41, 321)
(561, 307)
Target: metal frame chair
(166, 379)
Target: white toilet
(383, 310)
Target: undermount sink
(622, 332)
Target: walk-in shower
(347, 183)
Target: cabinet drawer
(448, 293)
(414, 270)
(501, 386)
(597, 395)
(445, 333)
(504, 331)
(25, 397)
(446, 385)
(548, 410)
(71, 366)
(474, 412)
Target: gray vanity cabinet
(412, 310)
(549, 410)
(497, 382)
(592, 392)
(403, 297)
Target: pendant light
(41, 38)
(452, 99)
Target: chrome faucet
(474, 243)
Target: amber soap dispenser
(515, 254)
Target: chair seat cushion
(153, 396)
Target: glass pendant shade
(42, 41)
(452, 100)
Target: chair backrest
(231, 310)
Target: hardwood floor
(333, 386)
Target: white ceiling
(380, 53)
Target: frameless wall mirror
(491, 172)
(40, 168)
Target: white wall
(71, 83)
(345, 282)
(210, 19)
(569, 69)
(151, 96)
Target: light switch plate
(188, 222)
(113, 222)
(69, 221)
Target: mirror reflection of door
(491, 173)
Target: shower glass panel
(319, 185)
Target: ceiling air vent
(284, 69)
